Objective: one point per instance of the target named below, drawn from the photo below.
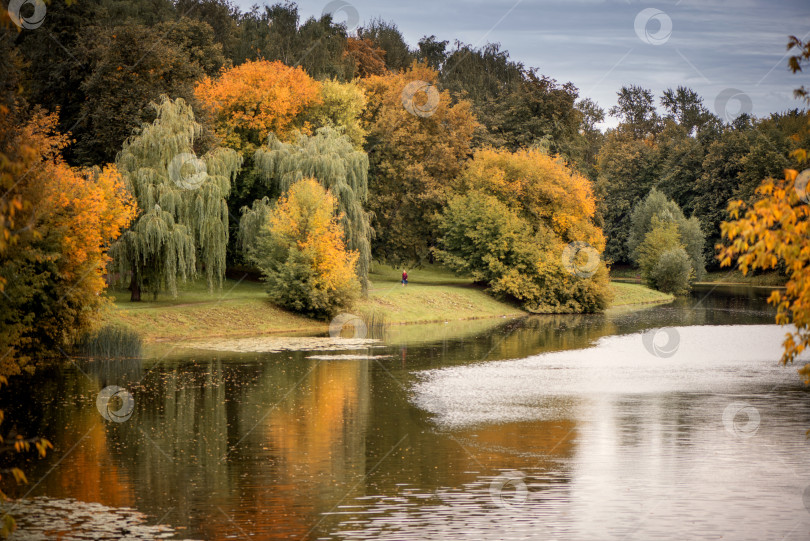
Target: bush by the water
(672, 272)
(302, 254)
(659, 228)
(513, 240)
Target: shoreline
(241, 309)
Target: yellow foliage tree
(542, 226)
(541, 188)
(774, 232)
(254, 99)
(302, 253)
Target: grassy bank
(632, 294)
(725, 276)
(241, 308)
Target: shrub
(673, 272)
(302, 255)
(690, 233)
(664, 262)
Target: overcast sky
(720, 48)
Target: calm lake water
(554, 427)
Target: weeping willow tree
(183, 226)
(329, 157)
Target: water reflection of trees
(272, 444)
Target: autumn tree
(329, 158)
(367, 58)
(302, 254)
(510, 228)
(250, 101)
(183, 225)
(63, 222)
(418, 139)
(774, 233)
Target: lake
(666, 422)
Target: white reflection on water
(653, 456)
(709, 359)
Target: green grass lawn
(735, 276)
(241, 307)
(630, 294)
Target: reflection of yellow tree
(315, 436)
(315, 432)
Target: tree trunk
(134, 286)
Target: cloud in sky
(713, 45)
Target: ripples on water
(558, 427)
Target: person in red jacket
(404, 278)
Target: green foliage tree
(734, 165)
(636, 110)
(184, 220)
(301, 253)
(628, 169)
(685, 106)
(657, 206)
(276, 33)
(432, 52)
(386, 36)
(330, 158)
(130, 66)
(664, 263)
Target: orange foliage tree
(55, 273)
(254, 99)
(368, 58)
